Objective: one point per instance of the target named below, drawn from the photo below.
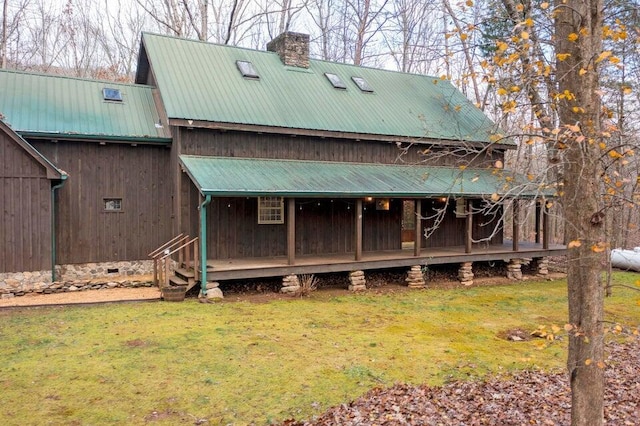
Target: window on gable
(335, 81)
(247, 70)
(111, 94)
(270, 210)
(362, 84)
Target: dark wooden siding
(25, 213)
(254, 145)
(139, 175)
(451, 231)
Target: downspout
(203, 245)
(63, 179)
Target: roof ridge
(70, 77)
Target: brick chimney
(293, 49)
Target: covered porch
(368, 226)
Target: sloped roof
(67, 107)
(52, 171)
(200, 81)
(224, 176)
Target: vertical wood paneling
(139, 175)
(25, 215)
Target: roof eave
(107, 138)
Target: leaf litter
(526, 397)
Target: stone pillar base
(514, 271)
(290, 284)
(465, 273)
(213, 291)
(415, 278)
(357, 282)
(541, 265)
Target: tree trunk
(578, 142)
(3, 41)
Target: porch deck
(228, 269)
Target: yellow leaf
(614, 60)
(469, 3)
(520, 7)
(530, 176)
(463, 167)
(502, 91)
(568, 327)
(524, 35)
(582, 71)
(544, 6)
(563, 56)
(515, 89)
(600, 364)
(495, 197)
(577, 110)
(604, 55)
(574, 243)
(463, 36)
(502, 46)
(528, 22)
(573, 127)
(614, 154)
(573, 37)
(587, 361)
(598, 248)
(555, 328)
(627, 90)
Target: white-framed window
(270, 210)
(112, 204)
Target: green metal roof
(57, 106)
(224, 176)
(200, 81)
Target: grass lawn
(242, 362)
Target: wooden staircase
(176, 263)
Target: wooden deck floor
(226, 269)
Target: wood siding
(254, 145)
(25, 213)
(451, 231)
(139, 175)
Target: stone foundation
(88, 276)
(415, 277)
(290, 284)
(465, 273)
(357, 281)
(541, 265)
(514, 269)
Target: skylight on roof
(111, 94)
(335, 80)
(362, 84)
(247, 69)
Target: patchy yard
(240, 362)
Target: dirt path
(83, 297)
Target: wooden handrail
(178, 248)
(165, 245)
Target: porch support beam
(468, 229)
(545, 226)
(417, 243)
(359, 229)
(516, 225)
(291, 230)
(538, 221)
(203, 245)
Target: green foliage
(242, 362)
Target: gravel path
(83, 297)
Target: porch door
(408, 223)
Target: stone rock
(73, 288)
(7, 296)
(212, 285)
(290, 289)
(214, 293)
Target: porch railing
(186, 249)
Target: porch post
(291, 230)
(418, 231)
(359, 229)
(545, 226)
(516, 225)
(203, 245)
(468, 237)
(538, 220)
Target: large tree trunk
(582, 198)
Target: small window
(112, 204)
(247, 70)
(111, 94)
(362, 84)
(270, 210)
(335, 81)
